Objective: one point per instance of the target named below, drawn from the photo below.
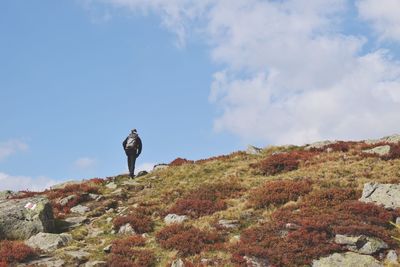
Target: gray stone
(23, 218)
(379, 150)
(109, 219)
(388, 139)
(80, 209)
(126, 230)
(230, 224)
(95, 264)
(47, 261)
(391, 257)
(361, 244)
(76, 221)
(178, 263)
(107, 249)
(174, 218)
(111, 185)
(348, 259)
(63, 185)
(78, 255)
(96, 197)
(387, 195)
(64, 201)
(319, 145)
(252, 150)
(256, 262)
(141, 173)
(398, 220)
(160, 166)
(48, 242)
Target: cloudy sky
(196, 78)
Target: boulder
(95, 264)
(160, 166)
(23, 218)
(348, 259)
(388, 139)
(76, 221)
(64, 201)
(141, 173)
(46, 261)
(178, 263)
(379, 150)
(126, 230)
(387, 195)
(63, 185)
(252, 150)
(78, 255)
(174, 218)
(319, 145)
(48, 242)
(361, 244)
(80, 209)
(256, 262)
(230, 224)
(391, 257)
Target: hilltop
(332, 203)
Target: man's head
(133, 131)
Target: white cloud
(85, 163)
(290, 74)
(384, 15)
(11, 147)
(16, 183)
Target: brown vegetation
(14, 252)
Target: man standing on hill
(133, 147)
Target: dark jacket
(136, 150)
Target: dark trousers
(131, 164)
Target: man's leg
(131, 165)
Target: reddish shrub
(123, 246)
(132, 258)
(278, 192)
(283, 162)
(97, 181)
(394, 152)
(15, 251)
(139, 222)
(188, 240)
(314, 221)
(206, 199)
(180, 161)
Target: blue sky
(196, 78)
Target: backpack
(131, 142)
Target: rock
(174, 218)
(255, 262)
(380, 150)
(107, 249)
(391, 257)
(348, 259)
(252, 150)
(141, 173)
(109, 219)
(64, 201)
(231, 224)
(178, 263)
(160, 166)
(387, 195)
(111, 185)
(48, 242)
(126, 230)
(47, 261)
(63, 185)
(361, 244)
(23, 218)
(292, 226)
(388, 139)
(95, 264)
(78, 255)
(319, 145)
(80, 209)
(398, 220)
(76, 221)
(96, 197)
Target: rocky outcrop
(80, 209)
(319, 145)
(23, 218)
(229, 224)
(379, 150)
(388, 139)
(361, 244)
(160, 166)
(252, 150)
(48, 242)
(387, 195)
(174, 218)
(348, 259)
(178, 263)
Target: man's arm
(139, 149)
(124, 143)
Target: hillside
(326, 204)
